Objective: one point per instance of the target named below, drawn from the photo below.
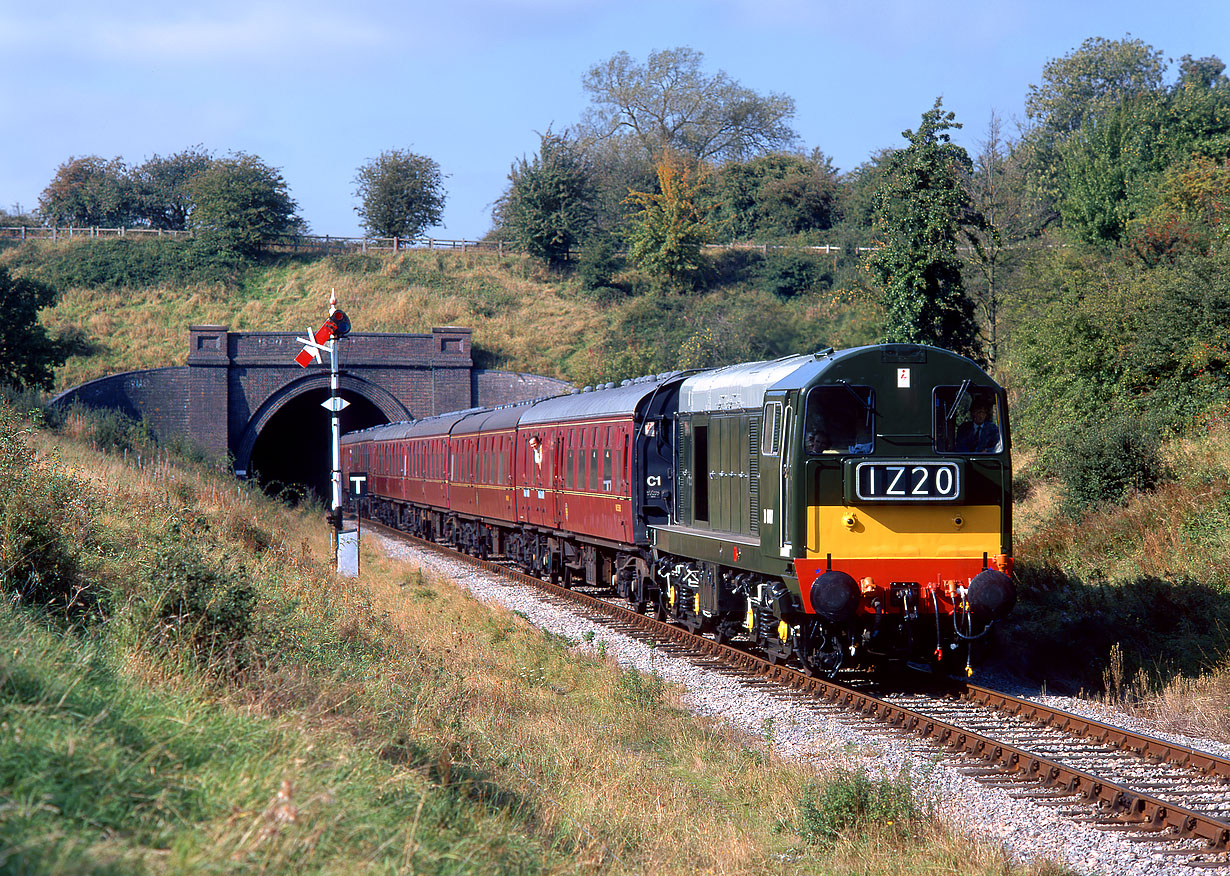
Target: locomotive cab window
(967, 419)
(840, 419)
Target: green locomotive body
(841, 506)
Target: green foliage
(183, 600)
(667, 233)
(45, 523)
(922, 210)
(549, 204)
(1193, 214)
(1103, 460)
(1089, 80)
(400, 194)
(850, 803)
(1094, 336)
(669, 105)
(597, 265)
(125, 263)
(27, 351)
(774, 196)
(90, 191)
(1114, 165)
(640, 690)
(163, 186)
(787, 273)
(240, 204)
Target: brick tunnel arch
(287, 442)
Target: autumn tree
(89, 191)
(670, 104)
(401, 194)
(667, 232)
(922, 212)
(240, 205)
(550, 201)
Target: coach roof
(612, 401)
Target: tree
(549, 204)
(163, 187)
(995, 188)
(240, 204)
(1201, 72)
(1091, 79)
(1077, 90)
(401, 194)
(27, 352)
(669, 103)
(1113, 168)
(89, 191)
(777, 194)
(667, 233)
(922, 210)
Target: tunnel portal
(292, 454)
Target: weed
(641, 691)
(850, 802)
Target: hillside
(1094, 567)
(524, 317)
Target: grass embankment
(186, 687)
(116, 300)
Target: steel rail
(1146, 747)
(1127, 808)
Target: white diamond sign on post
(324, 340)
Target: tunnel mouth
(292, 456)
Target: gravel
(818, 733)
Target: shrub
(124, 263)
(44, 527)
(598, 263)
(185, 601)
(1099, 464)
(787, 273)
(850, 802)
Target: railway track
(1154, 790)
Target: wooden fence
(326, 243)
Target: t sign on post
(348, 550)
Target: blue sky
(318, 88)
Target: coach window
(839, 419)
(968, 419)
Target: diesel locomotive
(833, 509)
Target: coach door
(776, 464)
